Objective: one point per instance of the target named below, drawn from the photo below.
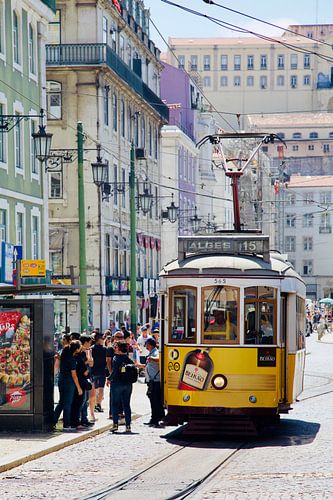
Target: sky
(173, 22)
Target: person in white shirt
(141, 344)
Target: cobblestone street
(294, 463)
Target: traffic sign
(33, 268)
(18, 252)
(7, 259)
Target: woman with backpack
(123, 375)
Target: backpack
(128, 373)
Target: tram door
(284, 350)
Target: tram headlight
(219, 382)
(186, 398)
(252, 399)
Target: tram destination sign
(226, 244)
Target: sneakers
(128, 429)
(99, 408)
(69, 429)
(114, 428)
(150, 423)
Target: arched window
(313, 135)
(297, 135)
(32, 50)
(54, 104)
(280, 135)
(330, 135)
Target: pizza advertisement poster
(15, 359)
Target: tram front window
(183, 321)
(220, 315)
(260, 305)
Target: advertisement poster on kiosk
(15, 359)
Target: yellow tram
(232, 325)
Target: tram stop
(26, 364)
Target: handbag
(87, 384)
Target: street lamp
(100, 169)
(172, 211)
(42, 144)
(145, 200)
(195, 221)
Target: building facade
(23, 195)
(246, 75)
(103, 70)
(308, 231)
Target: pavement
(327, 338)
(19, 448)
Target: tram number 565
(219, 281)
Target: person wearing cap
(141, 343)
(156, 335)
(153, 378)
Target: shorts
(98, 381)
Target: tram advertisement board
(15, 349)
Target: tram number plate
(220, 281)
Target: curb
(83, 436)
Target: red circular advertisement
(16, 397)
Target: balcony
(325, 229)
(91, 54)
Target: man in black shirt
(98, 369)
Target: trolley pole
(82, 230)
(133, 238)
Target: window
(260, 315)
(220, 322)
(35, 237)
(280, 80)
(55, 183)
(313, 135)
(295, 147)
(307, 267)
(330, 135)
(311, 147)
(308, 198)
(307, 80)
(293, 61)
(263, 82)
(123, 258)
(224, 62)
(297, 135)
(150, 139)
(206, 81)
(237, 81)
(122, 47)
(156, 204)
(280, 61)
(291, 220)
(224, 81)
(115, 256)
(181, 62)
(32, 50)
(54, 29)
(280, 135)
(115, 180)
(237, 63)
(300, 322)
(105, 30)
(290, 244)
(106, 112)
(20, 229)
(325, 223)
(122, 118)
(3, 137)
(293, 81)
(182, 307)
(306, 61)
(325, 197)
(307, 243)
(308, 220)
(263, 62)
(123, 184)
(326, 148)
(16, 39)
(194, 63)
(33, 159)
(18, 143)
(250, 81)
(53, 96)
(3, 224)
(206, 63)
(156, 143)
(115, 112)
(2, 27)
(250, 62)
(290, 199)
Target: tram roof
(231, 265)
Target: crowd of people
(87, 363)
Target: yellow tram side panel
(243, 375)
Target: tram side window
(220, 315)
(300, 322)
(259, 314)
(183, 322)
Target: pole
(82, 229)
(133, 238)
